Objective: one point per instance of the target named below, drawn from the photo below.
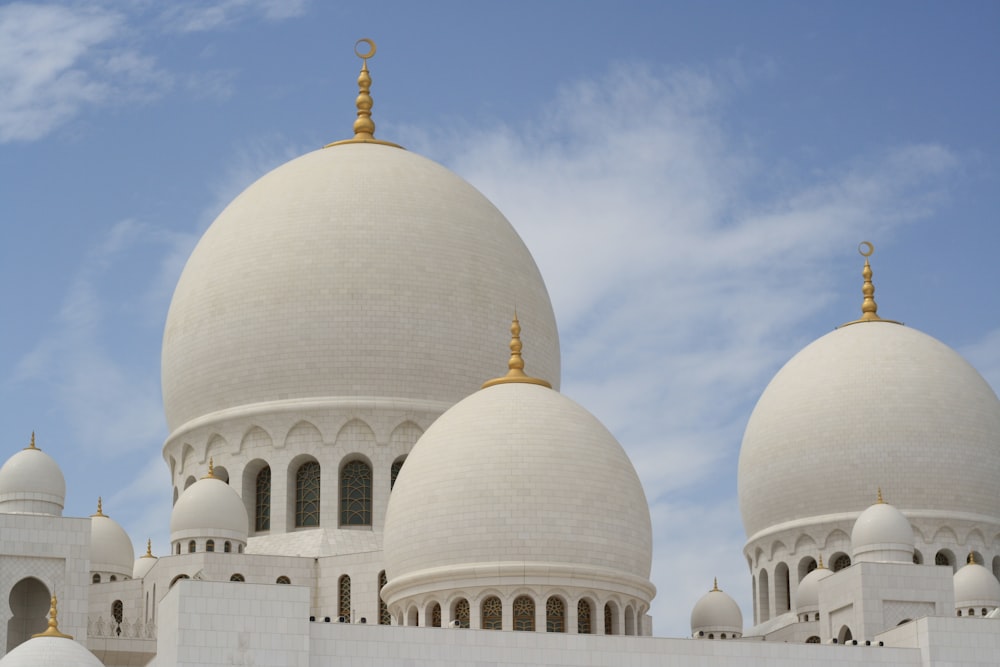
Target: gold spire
(820, 566)
(149, 549)
(971, 560)
(53, 629)
(869, 309)
(100, 511)
(515, 364)
(211, 469)
(364, 126)
(879, 500)
(32, 445)
(715, 585)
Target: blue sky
(692, 178)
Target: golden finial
(879, 500)
(869, 309)
(364, 126)
(32, 445)
(820, 566)
(211, 469)
(972, 559)
(100, 511)
(515, 364)
(149, 549)
(53, 629)
(715, 585)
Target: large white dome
(716, 612)
(211, 509)
(31, 482)
(111, 548)
(868, 405)
(518, 483)
(357, 270)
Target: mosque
(357, 481)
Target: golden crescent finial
(869, 309)
(515, 364)
(364, 126)
(211, 469)
(53, 629)
(820, 566)
(879, 499)
(972, 559)
(100, 509)
(149, 549)
(32, 444)
(715, 585)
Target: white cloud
(200, 16)
(57, 60)
(682, 268)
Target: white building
(347, 490)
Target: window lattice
(492, 614)
(307, 495)
(394, 472)
(345, 596)
(237, 577)
(210, 545)
(583, 617)
(524, 614)
(356, 494)
(941, 559)
(462, 613)
(436, 616)
(283, 580)
(384, 618)
(262, 504)
(117, 611)
(191, 547)
(842, 561)
(555, 615)
(607, 619)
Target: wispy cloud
(682, 270)
(201, 16)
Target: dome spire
(869, 309)
(879, 500)
(820, 566)
(715, 585)
(53, 629)
(32, 445)
(515, 364)
(971, 560)
(100, 510)
(149, 549)
(364, 126)
(211, 469)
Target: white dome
(881, 534)
(31, 482)
(868, 405)
(358, 270)
(518, 481)
(110, 546)
(143, 564)
(209, 508)
(976, 587)
(716, 612)
(50, 652)
(807, 595)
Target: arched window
(282, 580)
(460, 612)
(237, 577)
(609, 617)
(813, 640)
(524, 614)
(555, 615)
(397, 465)
(307, 495)
(227, 547)
(918, 558)
(942, 558)
(356, 494)
(262, 500)
(413, 617)
(96, 578)
(492, 613)
(345, 597)
(629, 621)
(436, 616)
(841, 562)
(844, 635)
(384, 617)
(763, 596)
(782, 591)
(583, 614)
(178, 549)
(112, 578)
(117, 612)
(191, 547)
(210, 545)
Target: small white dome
(32, 483)
(882, 534)
(518, 481)
(976, 587)
(211, 509)
(144, 563)
(807, 596)
(111, 548)
(50, 652)
(716, 612)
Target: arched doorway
(29, 606)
